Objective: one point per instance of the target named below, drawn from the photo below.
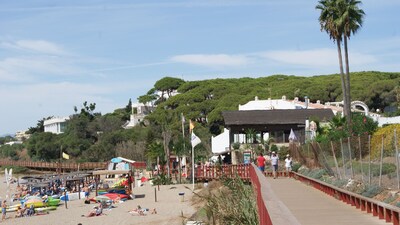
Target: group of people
(273, 159)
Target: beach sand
(169, 208)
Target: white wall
(220, 143)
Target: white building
(56, 125)
(139, 112)
(22, 135)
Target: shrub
(371, 191)
(387, 168)
(162, 179)
(390, 199)
(234, 203)
(339, 183)
(317, 174)
(295, 167)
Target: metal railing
(263, 215)
(382, 210)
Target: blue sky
(55, 55)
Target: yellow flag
(65, 155)
(191, 126)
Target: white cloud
(212, 60)
(36, 46)
(29, 68)
(28, 103)
(315, 57)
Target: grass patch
(232, 203)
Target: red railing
(216, 172)
(382, 210)
(263, 215)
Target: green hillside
(91, 136)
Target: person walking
(3, 210)
(274, 164)
(288, 165)
(261, 162)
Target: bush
(233, 203)
(317, 174)
(162, 179)
(296, 167)
(283, 151)
(371, 191)
(390, 199)
(339, 183)
(387, 168)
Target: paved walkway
(313, 207)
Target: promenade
(313, 207)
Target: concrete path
(313, 207)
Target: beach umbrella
(116, 160)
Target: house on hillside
(56, 125)
(139, 112)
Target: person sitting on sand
(24, 210)
(31, 210)
(92, 212)
(117, 199)
(97, 211)
(19, 212)
(139, 211)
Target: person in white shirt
(288, 164)
(274, 164)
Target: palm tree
(340, 19)
(327, 20)
(351, 19)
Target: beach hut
(120, 163)
(118, 175)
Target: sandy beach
(170, 209)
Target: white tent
(292, 136)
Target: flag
(195, 140)
(183, 118)
(65, 155)
(191, 126)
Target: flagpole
(193, 166)
(184, 148)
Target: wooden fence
(64, 165)
(218, 172)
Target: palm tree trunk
(342, 77)
(348, 97)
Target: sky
(55, 55)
